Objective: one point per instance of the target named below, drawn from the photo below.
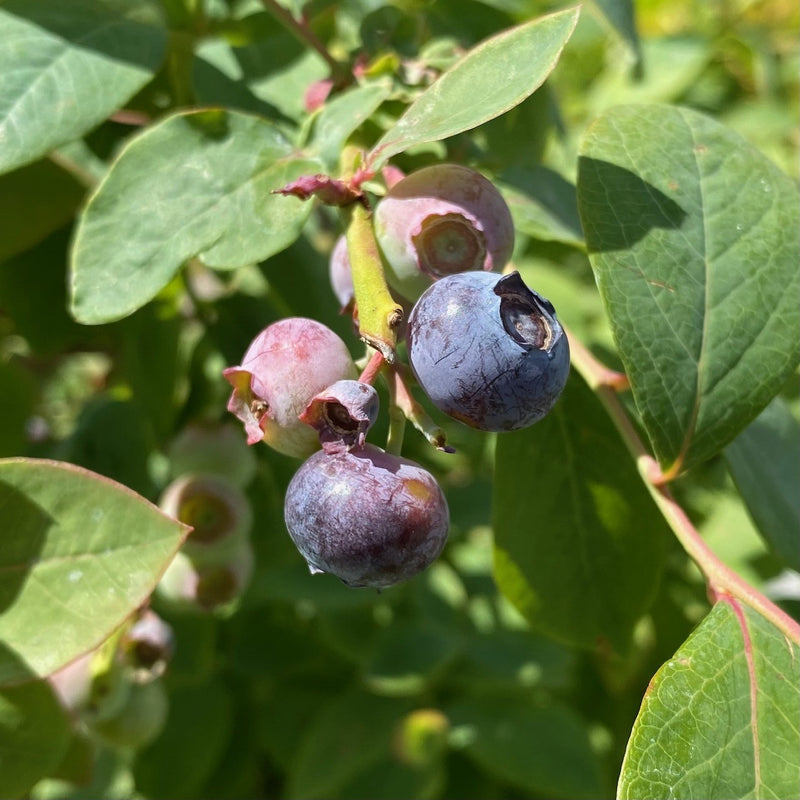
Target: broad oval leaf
(490, 79)
(67, 66)
(35, 733)
(197, 184)
(719, 720)
(78, 555)
(578, 540)
(692, 237)
(764, 460)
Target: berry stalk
(378, 314)
(721, 580)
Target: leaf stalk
(720, 579)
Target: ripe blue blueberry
(368, 517)
(487, 350)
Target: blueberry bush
(399, 399)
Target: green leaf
(542, 748)
(42, 317)
(67, 66)
(79, 554)
(111, 438)
(342, 115)
(197, 184)
(578, 540)
(489, 80)
(764, 460)
(691, 235)
(543, 204)
(34, 733)
(408, 657)
(622, 18)
(719, 719)
(55, 195)
(18, 395)
(261, 67)
(193, 741)
(348, 736)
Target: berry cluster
(485, 349)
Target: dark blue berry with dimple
(488, 350)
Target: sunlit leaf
(198, 184)
(489, 80)
(67, 66)
(691, 235)
(719, 720)
(79, 554)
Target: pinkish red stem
(721, 580)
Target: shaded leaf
(79, 554)
(543, 204)
(17, 397)
(42, 317)
(719, 719)
(764, 460)
(196, 184)
(193, 741)
(111, 438)
(690, 232)
(34, 733)
(408, 657)
(489, 80)
(541, 748)
(578, 540)
(66, 67)
(55, 195)
(348, 737)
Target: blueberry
(368, 517)
(342, 414)
(442, 220)
(206, 447)
(214, 506)
(148, 646)
(210, 578)
(487, 350)
(285, 366)
(139, 720)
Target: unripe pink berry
(287, 364)
(439, 221)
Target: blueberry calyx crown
(528, 318)
(447, 244)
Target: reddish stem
(720, 578)
(374, 366)
(302, 31)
